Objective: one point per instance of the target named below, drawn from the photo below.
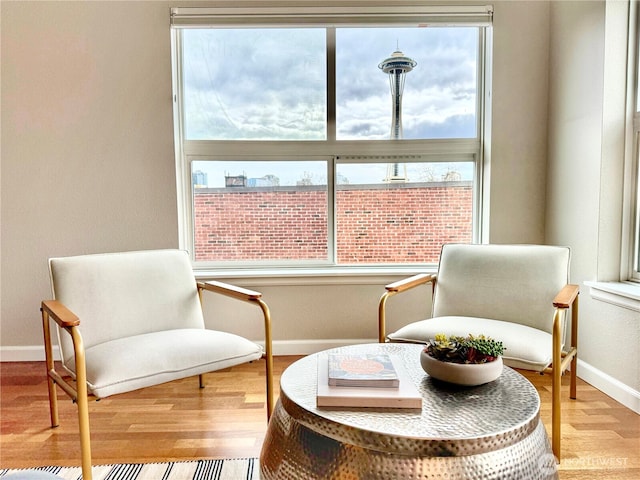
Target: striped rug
(230, 469)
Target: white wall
(87, 142)
(88, 165)
(519, 129)
(585, 181)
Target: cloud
(271, 83)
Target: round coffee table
(492, 431)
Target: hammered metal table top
(499, 413)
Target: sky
(354, 174)
(270, 84)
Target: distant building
(199, 179)
(235, 180)
(243, 181)
(266, 181)
(452, 176)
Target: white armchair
(518, 294)
(130, 320)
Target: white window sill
(313, 276)
(621, 294)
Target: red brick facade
(402, 223)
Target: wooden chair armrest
(230, 290)
(254, 297)
(410, 282)
(566, 296)
(395, 288)
(69, 322)
(60, 314)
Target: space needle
(396, 66)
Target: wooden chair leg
(85, 437)
(556, 384)
(555, 413)
(82, 401)
(382, 316)
(53, 403)
(573, 384)
(574, 345)
(268, 355)
(51, 384)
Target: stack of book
(367, 380)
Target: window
(634, 255)
(353, 136)
(632, 242)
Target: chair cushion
(525, 347)
(131, 363)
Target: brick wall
(374, 223)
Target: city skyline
(291, 173)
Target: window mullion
(332, 243)
(331, 84)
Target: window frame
(630, 262)
(187, 151)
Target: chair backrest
(118, 295)
(514, 283)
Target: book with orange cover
(406, 395)
(365, 370)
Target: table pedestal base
(294, 451)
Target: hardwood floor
(227, 419)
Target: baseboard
(26, 354)
(281, 347)
(617, 390)
(307, 347)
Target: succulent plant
(469, 349)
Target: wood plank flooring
(227, 419)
